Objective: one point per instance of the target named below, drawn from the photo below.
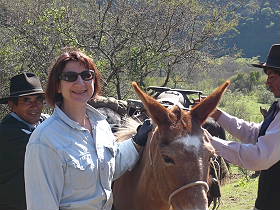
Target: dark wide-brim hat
(273, 59)
(22, 85)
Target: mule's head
(178, 151)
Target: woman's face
(81, 89)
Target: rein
(186, 187)
(149, 151)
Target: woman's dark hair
(52, 95)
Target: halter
(196, 182)
(186, 187)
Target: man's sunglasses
(71, 76)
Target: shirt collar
(13, 114)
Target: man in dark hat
(260, 147)
(26, 103)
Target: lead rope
(188, 186)
(217, 171)
(218, 176)
(150, 156)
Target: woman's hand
(143, 130)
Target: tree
(129, 40)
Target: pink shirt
(253, 153)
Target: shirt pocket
(82, 172)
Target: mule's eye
(168, 159)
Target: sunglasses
(71, 76)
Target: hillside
(258, 29)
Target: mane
(128, 129)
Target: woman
(72, 159)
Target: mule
(172, 172)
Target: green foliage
(263, 95)
(133, 40)
(235, 104)
(168, 43)
(246, 82)
(258, 28)
(243, 106)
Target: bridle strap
(186, 187)
(149, 149)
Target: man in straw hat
(260, 147)
(26, 103)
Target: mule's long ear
(156, 111)
(208, 105)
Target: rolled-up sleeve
(254, 156)
(44, 178)
(127, 157)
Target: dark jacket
(268, 188)
(14, 136)
(269, 182)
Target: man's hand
(143, 130)
(208, 136)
